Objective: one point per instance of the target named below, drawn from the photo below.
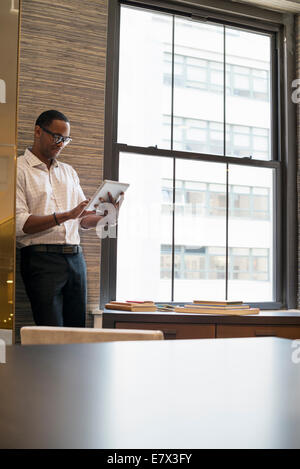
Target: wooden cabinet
(173, 330)
(231, 331)
(285, 324)
(210, 331)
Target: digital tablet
(114, 187)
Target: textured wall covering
(62, 66)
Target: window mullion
(227, 167)
(174, 165)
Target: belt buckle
(69, 250)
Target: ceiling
(291, 6)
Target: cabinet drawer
(173, 331)
(287, 332)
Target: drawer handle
(265, 334)
(169, 333)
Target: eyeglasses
(58, 138)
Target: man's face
(45, 141)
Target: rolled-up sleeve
(81, 196)
(22, 210)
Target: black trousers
(56, 286)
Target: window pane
(145, 72)
(217, 78)
(201, 96)
(260, 85)
(250, 233)
(241, 83)
(248, 103)
(144, 263)
(196, 74)
(201, 228)
(260, 143)
(260, 203)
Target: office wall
(62, 66)
(9, 26)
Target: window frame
(283, 142)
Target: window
(207, 137)
(193, 72)
(208, 262)
(203, 199)
(194, 131)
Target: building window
(204, 199)
(208, 262)
(207, 137)
(195, 133)
(208, 75)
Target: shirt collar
(34, 161)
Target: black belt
(57, 248)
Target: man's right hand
(38, 223)
(79, 211)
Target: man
(50, 208)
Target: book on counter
(225, 307)
(134, 306)
(165, 308)
(227, 311)
(143, 303)
(218, 303)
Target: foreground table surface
(231, 393)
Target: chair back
(37, 335)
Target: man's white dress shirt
(41, 192)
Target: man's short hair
(46, 118)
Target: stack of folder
(134, 306)
(217, 307)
